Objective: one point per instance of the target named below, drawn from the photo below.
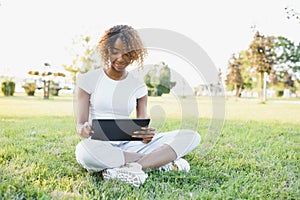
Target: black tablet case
(117, 129)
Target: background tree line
(268, 60)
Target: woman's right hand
(84, 130)
(146, 134)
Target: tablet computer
(117, 129)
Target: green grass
(255, 157)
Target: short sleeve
(88, 81)
(141, 91)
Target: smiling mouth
(120, 65)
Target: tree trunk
(265, 86)
(238, 90)
(262, 91)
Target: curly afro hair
(131, 39)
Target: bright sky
(33, 32)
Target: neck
(115, 75)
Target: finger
(87, 126)
(147, 140)
(138, 132)
(143, 136)
(151, 129)
(86, 123)
(148, 128)
(88, 129)
(144, 132)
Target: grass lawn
(255, 157)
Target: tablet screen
(117, 129)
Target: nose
(117, 57)
(123, 57)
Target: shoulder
(136, 79)
(87, 81)
(91, 74)
(138, 84)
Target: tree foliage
(85, 57)
(8, 87)
(260, 53)
(278, 57)
(261, 58)
(158, 80)
(248, 74)
(234, 77)
(287, 61)
(240, 76)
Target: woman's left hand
(146, 133)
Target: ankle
(130, 157)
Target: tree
(161, 83)
(8, 87)
(84, 60)
(287, 60)
(73, 68)
(261, 58)
(247, 72)
(234, 77)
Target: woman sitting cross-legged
(113, 92)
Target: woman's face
(119, 58)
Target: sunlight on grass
(36, 106)
(245, 110)
(256, 156)
(272, 111)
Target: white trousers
(96, 155)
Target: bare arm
(141, 107)
(146, 133)
(83, 127)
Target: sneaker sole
(108, 175)
(131, 178)
(126, 177)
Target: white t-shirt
(111, 99)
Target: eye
(126, 55)
(114, 51)
(133, 55)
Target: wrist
(79, 128)
(84, 129)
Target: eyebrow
(114, 48)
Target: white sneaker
(131, 173)
(177, 165)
